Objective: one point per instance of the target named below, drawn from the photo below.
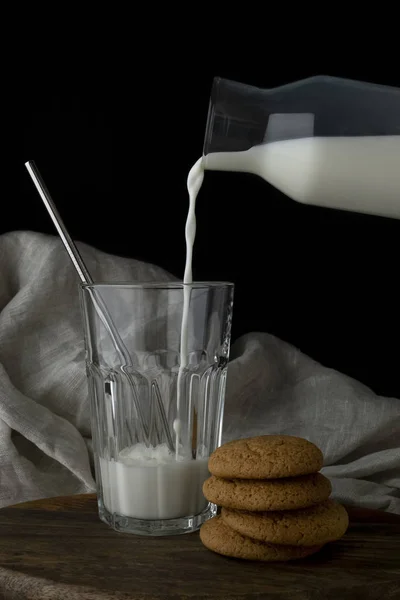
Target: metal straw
(98, 301)
(69, 245)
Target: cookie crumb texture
(266, 457)
(218, 537)
(317, 525)
(275, 494)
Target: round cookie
(265, 457)
(218, 537)
(312, 526)
(272, 494)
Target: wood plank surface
(58, 548)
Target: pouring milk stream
(355, 173)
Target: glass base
(157, 526)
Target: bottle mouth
(237, 117)
(210, 117)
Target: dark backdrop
(115, 150)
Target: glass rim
(158, 285)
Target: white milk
(154, 483)
(359, 174)
(149, 483)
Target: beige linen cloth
(45, 438)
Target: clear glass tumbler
(156, 368)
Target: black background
(115, 144)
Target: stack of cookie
(275, 504)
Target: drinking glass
(157, 416)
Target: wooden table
(58, 549)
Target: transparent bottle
(325, 141)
